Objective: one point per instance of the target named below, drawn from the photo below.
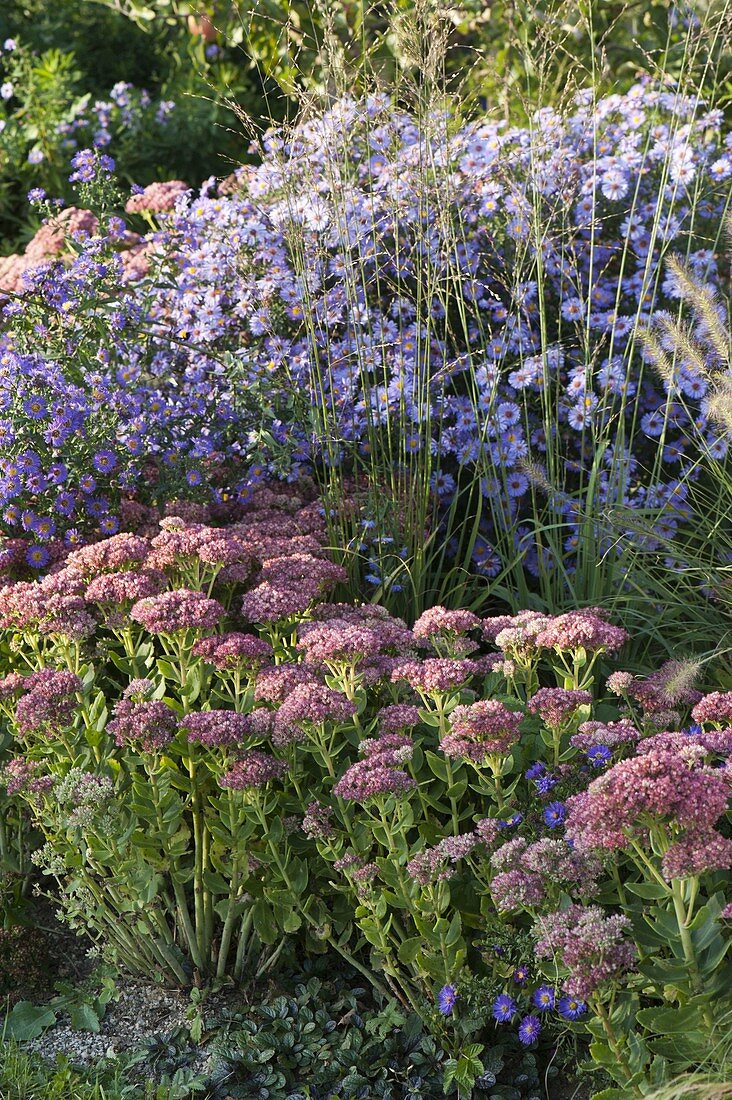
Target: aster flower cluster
(233, 282)
(486, 177)
(543, 1000)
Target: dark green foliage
(323, 1038)
(24, 962)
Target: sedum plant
(220, 757)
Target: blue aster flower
(446, 999)
(35, 407)
(543, 998)
(554, 814)
(529, 1029)
(504, 1008)
(37, 556)
(599, 756)
(571, 1008)
(104, 461)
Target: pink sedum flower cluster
(251, 771)
(149, 725)
(379, 773)
(528, 874)
(178, 610)
(447, 631)
(592, 946)
(674, 790)
(439, 864)
(528, 632)
(587, 629)
(233, 651)
(216, 728)
(436, 675)
(309, 705)
(48, 702)
(593, 733)
(556, 705)
(482, 729)
(714, 708)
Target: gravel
(142, 1012)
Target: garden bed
(365, 691)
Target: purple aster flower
(446, 999)
(544, 998)
(504, 1008)
(104, 461)
(37, 556)
(35, 407)
(529, 1028)
(43, 527)
(599, 756)
(554, 814)
(109, 525)
(521, 975)
(571, 1008)
(64, 503)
